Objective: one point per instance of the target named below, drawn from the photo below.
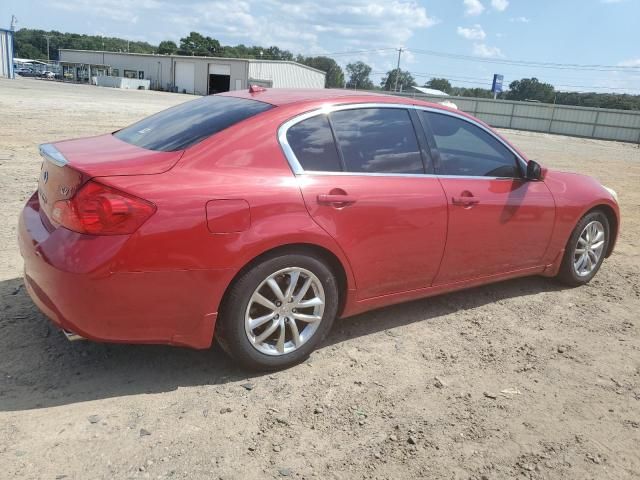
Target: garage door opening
(219, 78)
(219, 83)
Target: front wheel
(278, 311)
(585, 250)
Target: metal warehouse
(195, 75)
(6, 53)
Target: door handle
(465, 201)
(335, 199)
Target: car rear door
(361, 170)
(499, 222)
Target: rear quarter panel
(244, 162)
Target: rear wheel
(585, 250)
(278, 311)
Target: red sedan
(259, 217)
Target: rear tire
(267, 324)
(585, 250)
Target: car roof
(286, 96)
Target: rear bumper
(79, 283)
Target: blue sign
(497, 83)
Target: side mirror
(534, 171)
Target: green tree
(441, 84)
(405, 80)
(472, 92)
(199, 45)
(32, 43)
(359, 76)
(531, 89)
(335, 75)
(167, 47)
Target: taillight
(100, 210)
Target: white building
(6, 53)
(187, 74)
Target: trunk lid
(106, 155)
(69, 164)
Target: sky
(466, 41)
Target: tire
(568, 272)
(239, 308)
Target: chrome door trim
(297, 168)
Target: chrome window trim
(297, 168)
(52, 154)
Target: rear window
(185, 125)
(312, 142)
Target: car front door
(362, 175)
(499, 222)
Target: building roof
(194, 57)
(28, 60)
(431, 91)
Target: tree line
(32, 43)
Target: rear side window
(185, 125)
(467, 150)
(312, 142)
(377, 140)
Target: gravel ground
(523, 379)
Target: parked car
(25, 72)
(257, 218)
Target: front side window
(377, 140)
(186, 124)
(312, 142)
(467, 150)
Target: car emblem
(45, 176)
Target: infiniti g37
(257, 218)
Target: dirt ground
(419, 390)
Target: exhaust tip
(72, 337)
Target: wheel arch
(318, 251)
(614, 222)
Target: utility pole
(48, 57)
(14, 22)
(395, 86)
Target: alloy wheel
(284, 311)
(589, 248)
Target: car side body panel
(508, 229)
(165, 282)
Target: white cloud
(519, 19)
(500, 5)
(305, 26)
(116, 10)
(473, 33)
(484, 50)
(473, 7)
(634, 62)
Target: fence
(600, 123)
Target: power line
(483, 81)
(528, 63)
